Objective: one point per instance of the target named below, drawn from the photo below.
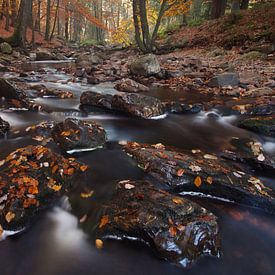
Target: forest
(137, 137)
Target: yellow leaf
(87, 194)
(198, 181)
(98, 243)
(9, 216)
(56, 188)
(177, 200)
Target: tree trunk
(218, 8)
(55, 19)
(7, 12)
(48, 21)
(19, 36)
(67, 22)
(13, 13)
(235, 6)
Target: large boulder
(224, 79)
(130, 103)
(88, 60)
(45, 55)
(130, 86)
(10, 91)
(177, 229)
(4, 127)
(260, 124)
(185, 172)
(5, 48)
(74, 134)
(146, 65)
(32, 179)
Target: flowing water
(57, 243)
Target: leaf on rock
(208, 156)
(173, 231)
(99, 244)
(83, 168)
(56, 188)
(129, 186)
(209, 180)
(177, 200)
(198, 181)
(9, 216)
(104, 220)
(86, 195)
(180, 172)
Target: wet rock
(55, 93)
(10, 91)
(4, 127)
(261, 125)
(87, 60)
(224, 79)
(185, 171)
(5, 48)
(42, 129)
(173, 73)
(130, 103)
(130, 86)
(182, 108)
(250, 78)
(44, 55)
(73, 134)
(32, 179)
(263, 91)
(177, 229)
(251, 152)
(146, 65)
(93, 80)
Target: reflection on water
(58, 244)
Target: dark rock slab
(10, 91)
(182, 108)
(32, 179)
(185, 171)
(4, 127)
(130, 103)
(130, 86)
(74, 134)
(261, 125)
(178, 230)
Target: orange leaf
(98, 243)
(9, 217)
(104, 220)
(177, 200)
(173, 231)
(83, 168)
(56, 188)
(198, 181)
(209, 180)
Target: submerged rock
(182, 108)
(146, 65)
(130, 86)
(74, 134)
(32, 179)
(261, 125)
(178, 230)
(224, 79)
(4, 127)
(185, 171)
(55, 93)
(130, 103)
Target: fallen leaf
(9, 216)
(56, 188)
(83, 219)
(87, 194)
(104, 220)
(209, 180)
(2, 162)
(173, 231)
(83, 168)
(129, 186)
(158, 146)
(177, 200)
(180, 172)
(208, 156)
(1, 230)
(195, 168)
(198, 181)
(196, 151)
(99, 244)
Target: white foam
(269, 147)
(83, 150)
(199, 194)
(159, 117)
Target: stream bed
(57, 243)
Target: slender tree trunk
(244, 4)
(48, 21)
(13, 12)
(7, 12)
(218, 8)
(38, 17)
(67, 23)
(55, 19)
(235, 6)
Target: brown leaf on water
(104, 220)
(9, 216)
(83, 168)
(99, 244)
(198, 181)
(180, 172)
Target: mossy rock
(6, 48)
(253, 55)
(261, 125)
